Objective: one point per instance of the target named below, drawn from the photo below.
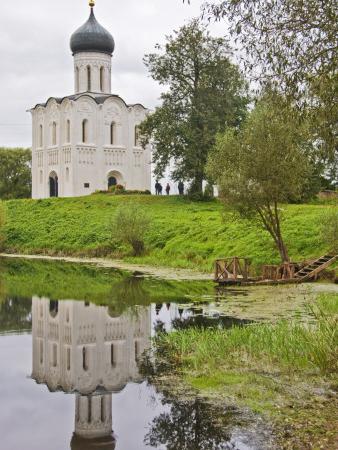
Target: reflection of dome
(106, 443)
(92, 37)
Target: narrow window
(41, 176)
(68, 359)
(112, 133)
(55, 355)
(89, 79)
(41, 136)
(68, 131)
(85, 359)
(89, 409)
(67, 179)
(102, 79)
(54, 133)
(112, 355)
(77, 79)
(137, 136)
(84, 131)
(41, 352)
(103, 414)
(137, 350)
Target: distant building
(88, 141)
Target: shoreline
(165, 273)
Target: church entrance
(112, 181)
(53, 185)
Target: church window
(85, 364)
(112, 133)
(89, 409)
(137, 136)
(40, 136)
(84, 131)
(55, 355)
(137, 350)
(77, 79)
(41, 176)
(89, 79)
(41, 352)
(67, 174)
(112, 355)
(68, 358)
(103, 415)
(68, 131)
(54, 133)
(102, 79)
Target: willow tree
(204, 93)
(263, 165)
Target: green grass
(183, 234)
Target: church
(88, 141)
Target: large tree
(15, 173)
(204, 93)
(263, 165)
(291, 44)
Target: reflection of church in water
(79, 348)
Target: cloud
(37, 63)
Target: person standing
(160, 189)
(167, 189)
(181, 188)
(157, 188)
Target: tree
(15, 173)
(264, 164)
(292, 44)
(205, 94)
(130, 226)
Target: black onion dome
(92, 37)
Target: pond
(71, 340)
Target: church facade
(88, 141)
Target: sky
(36, 62)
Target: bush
(329, 231)
(130, 226)
(2, 224)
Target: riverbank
(183, 234)
(285, 372)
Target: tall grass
(284, 346)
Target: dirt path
(160, 272)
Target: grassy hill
(183, 233)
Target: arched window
(41, 352)
(84, 131)
(137, 350)
(112, 355)
(54, 133)
(77, 78)
(89, 79)
(67, 174)
(55, 355)
(103, 412)
(68, 131)
(40, 136)
(137, 136)
(112, 133)
(85, 359)
(41, 176)
(102, 79)
(68, 359)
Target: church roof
(99, 98)
(92, 37)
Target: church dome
(92, 37)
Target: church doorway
(112, 181)
(53, 185)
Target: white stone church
(88, 141)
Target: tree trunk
(197, 185)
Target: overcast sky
(36, 62)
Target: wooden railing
(231, 269)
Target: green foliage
(2, 224)
(287, 346)
(183, 234)
(206, 94)
(15, 173)
(264, 164)
(329, 231)
(294, 44)
(130, 226)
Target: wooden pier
(235, 271)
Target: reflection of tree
(127, 293)
(201, 321)
(15, 314)
(193, 425)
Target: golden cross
(92, 3)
